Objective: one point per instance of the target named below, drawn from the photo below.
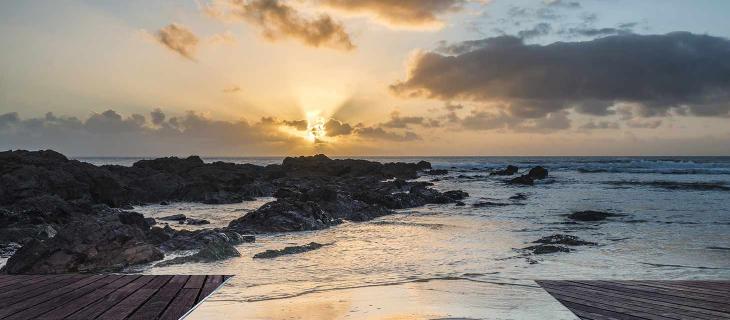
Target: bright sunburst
(315, 127)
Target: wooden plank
(10, 280)
(598, 297)
(675, 286)
(158, 302)
(654, 300)
(95, 309)
(52, 297)
(710, 303)
(91, 297)
(608, 296)
(28, 303)
(671, 291)
(185, 300)
(658, 297)
(26, 287)
(135, 300)
(211, 283)
(51, 304)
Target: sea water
(675, 224)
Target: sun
(315, 127)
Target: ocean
(674, 224)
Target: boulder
(284, 215)
(590, 215)
(269, 254)
(564, 239)
(174, 217)
(217, 248)
(436, 172)
(510, 170)
(196, 222)
(538, 173)
(547, 248)
(523, 180)
(91, 246)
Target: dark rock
(164, 203)
(523, 180)
(564, 239)
(268, 254)
(193, 221)
(547, 248)
(150, 221)
(456, 194)
(538, 173)
(135, 219)
(284, 215)
(92, 246)
(591, 215)
(460, 204)
(217, 248)
(510, 170)
(436, 172)
(174, 217)
(491, 204)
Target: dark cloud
(277, 20)
(500, 119)
(378, 133)
(334, 128)
(109, 133)
(401, 12)
(593, 125)
(401, 122)
(677, 71)
(591, 32)
(179, 39)
(157, 117)
(539, 30)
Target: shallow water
(667, 232)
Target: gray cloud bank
(112, 134)
(678, 72)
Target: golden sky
(365, 77)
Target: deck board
(103, 296)
(656, 300)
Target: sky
(366, 77)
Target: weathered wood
(185, 300)
(655, 300)
(30, 302)
(130, 304)
(69, 308)
(211, 283)
(154, 307)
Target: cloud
(400, 122)
(112, 134)
(408, 13)
(591, 32)
(378, 133)
(592, 125)
(334, 128)
(179, 39)
(540, 29)
(502, 120)
(277, 20)
(681, 72)
(639, 124)
(232, 89)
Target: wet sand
(440, 299)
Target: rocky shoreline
(71, 216)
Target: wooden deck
(111, 296)
(656, 300)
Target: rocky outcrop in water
(590, 215)
(269, 254)
(69, 215)
(510, 170)
(89, 246)
(536, 173)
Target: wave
(382, 284)
(673, 185)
